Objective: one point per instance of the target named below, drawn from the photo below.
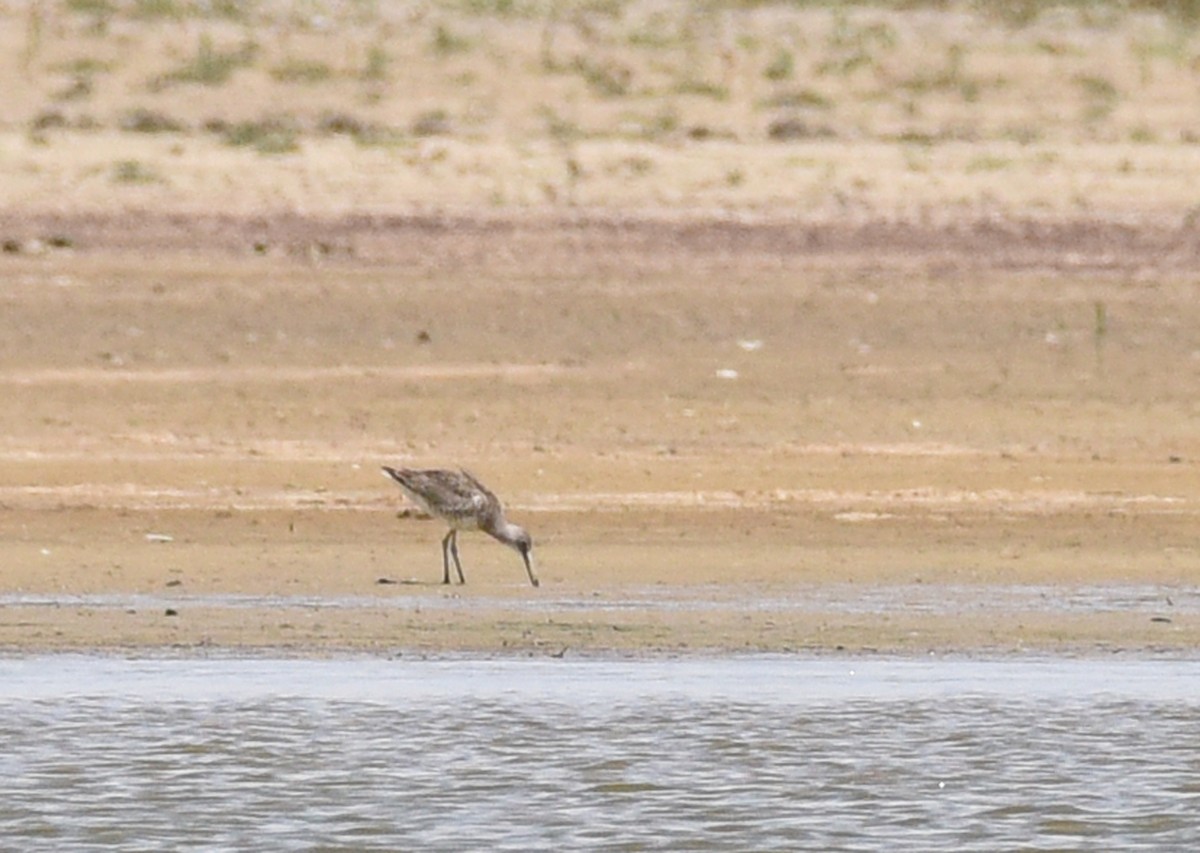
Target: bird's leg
(446, 556)
(454, 554)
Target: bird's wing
(487, 493)
(442, 492)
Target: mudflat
(722, 436)
(781, 328)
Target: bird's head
(519, 540)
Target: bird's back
(455, 496)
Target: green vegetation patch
(134, 172)
(268, 135)
(210, 66)
(296, 70)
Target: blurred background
(917, 110)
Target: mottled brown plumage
(459, 499)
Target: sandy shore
(782, 327)
(722, 437)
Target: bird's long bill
(533, 579)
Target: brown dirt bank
(1092, 244)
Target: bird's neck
(507, 532)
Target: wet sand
(723, 436)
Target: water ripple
(735, 754)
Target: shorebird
(463, 502)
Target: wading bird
(464, 503)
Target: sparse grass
(660, 124)
(799, 99)
(845, 64)
(949, 77)
(1099, 328)
(1053, 48)
(1143, 135)
(1016, 14)
(922, 138)
(561, 130)
(1101, 97)
(379, 61)
(297, 70)
(210, 66)
(179, 10)
(432, 123)
(854, 46)
(446, 42)
(95, 8)
(1104, 14)
(499, 8)
(622, 71)
(269, 135)
(1175, 49)
(35, 30)
(342, 124)
(84, 67)
(635, 166)
(1023, 134)
(703, 88)
(609, 79)
(134, 172)
(363, 132)
(234, 10)
(782, 66)
(142, 120)
(989, 163)
(794, 128)
(79, 89)
(653, 36)
(173, 10)
(1097, 88)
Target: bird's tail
(394, 474)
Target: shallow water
(823, 598)
(717, 754)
